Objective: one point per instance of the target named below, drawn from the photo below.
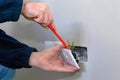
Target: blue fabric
(6, 73)
(10, 10)
(13, 53)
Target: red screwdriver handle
(58, 36)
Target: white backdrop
(91, 23)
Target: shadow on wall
(77, 33)
(31, 31)
(37, 74)
(31, 34)
(78, 36)
(80, 31)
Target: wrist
(23, 7)
(33, 60)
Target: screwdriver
(58, 36)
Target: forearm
(10, 10)
(14, 54)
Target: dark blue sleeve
(13, 53)
(10, 10)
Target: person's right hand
(38, 12)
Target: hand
(38, 12)
(50, 61)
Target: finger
(46, 20)
(58, 48)
(66, 64)
(51, 20)
(71, 67)
(53, 24)
(66, 68)
(39, 19)
(44, 25)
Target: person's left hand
(49, 60)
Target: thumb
(53, 24)
(58, 48)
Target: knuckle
(43, 9)
(45, 6)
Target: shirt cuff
(25, 59)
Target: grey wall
(91, 23)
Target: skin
(47, 59)
(38, 12)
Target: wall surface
(91, 23)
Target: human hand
(49, 60)
(38, 12)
